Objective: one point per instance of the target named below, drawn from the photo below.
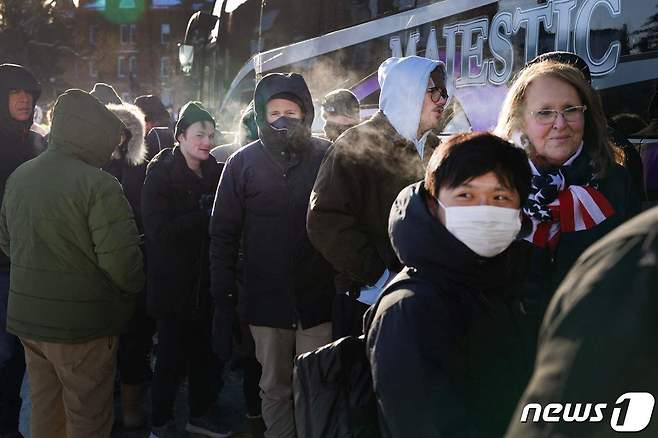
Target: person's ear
(431, 204)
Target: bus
(483, 43)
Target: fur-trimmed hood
(133, 117)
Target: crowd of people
(483, 272)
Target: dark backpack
(333, 391)
(333, 387)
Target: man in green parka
(76, 269)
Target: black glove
(206, 203)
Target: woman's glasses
(571, 114)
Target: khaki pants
(71, 388)
(276, 350)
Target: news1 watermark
(630, 413)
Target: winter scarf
(564, 199)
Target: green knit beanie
(192, 112)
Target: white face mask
(487, 230)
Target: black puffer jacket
(176, 230)
(363, 173)
(447, 352)
(598, 339)
(17, 142)
(262, 200)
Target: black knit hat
(152, 107)
(192, 112)
(341, 102)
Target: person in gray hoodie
(363, 174)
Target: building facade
(132, 45)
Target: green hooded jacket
(76, 266)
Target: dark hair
(627, 123)
(466, 156)
(438, 75)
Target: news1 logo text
(630, 413)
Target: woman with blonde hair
(580, 191)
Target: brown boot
(131, 401)
(256, 426)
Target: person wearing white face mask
(444, 340)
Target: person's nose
(560, 122)
(482, 199)
(23, 96)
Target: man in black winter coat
(445, 341)
(19, 92)
(261, 201)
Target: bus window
(235, 101)
(630, 96)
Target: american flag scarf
(564, 199)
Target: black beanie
(153, 108)
(341, 102)
(192, 112)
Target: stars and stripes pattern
(576, 208)
(564, 199)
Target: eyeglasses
(437, 93)
(571, 114)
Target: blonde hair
(596, 140)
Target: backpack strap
(407, 276)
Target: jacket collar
(387, 130)
(209, 168)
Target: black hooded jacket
(262, 200)
(175, 226)
(444, 340)
(17, 142)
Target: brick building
(132, 45)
